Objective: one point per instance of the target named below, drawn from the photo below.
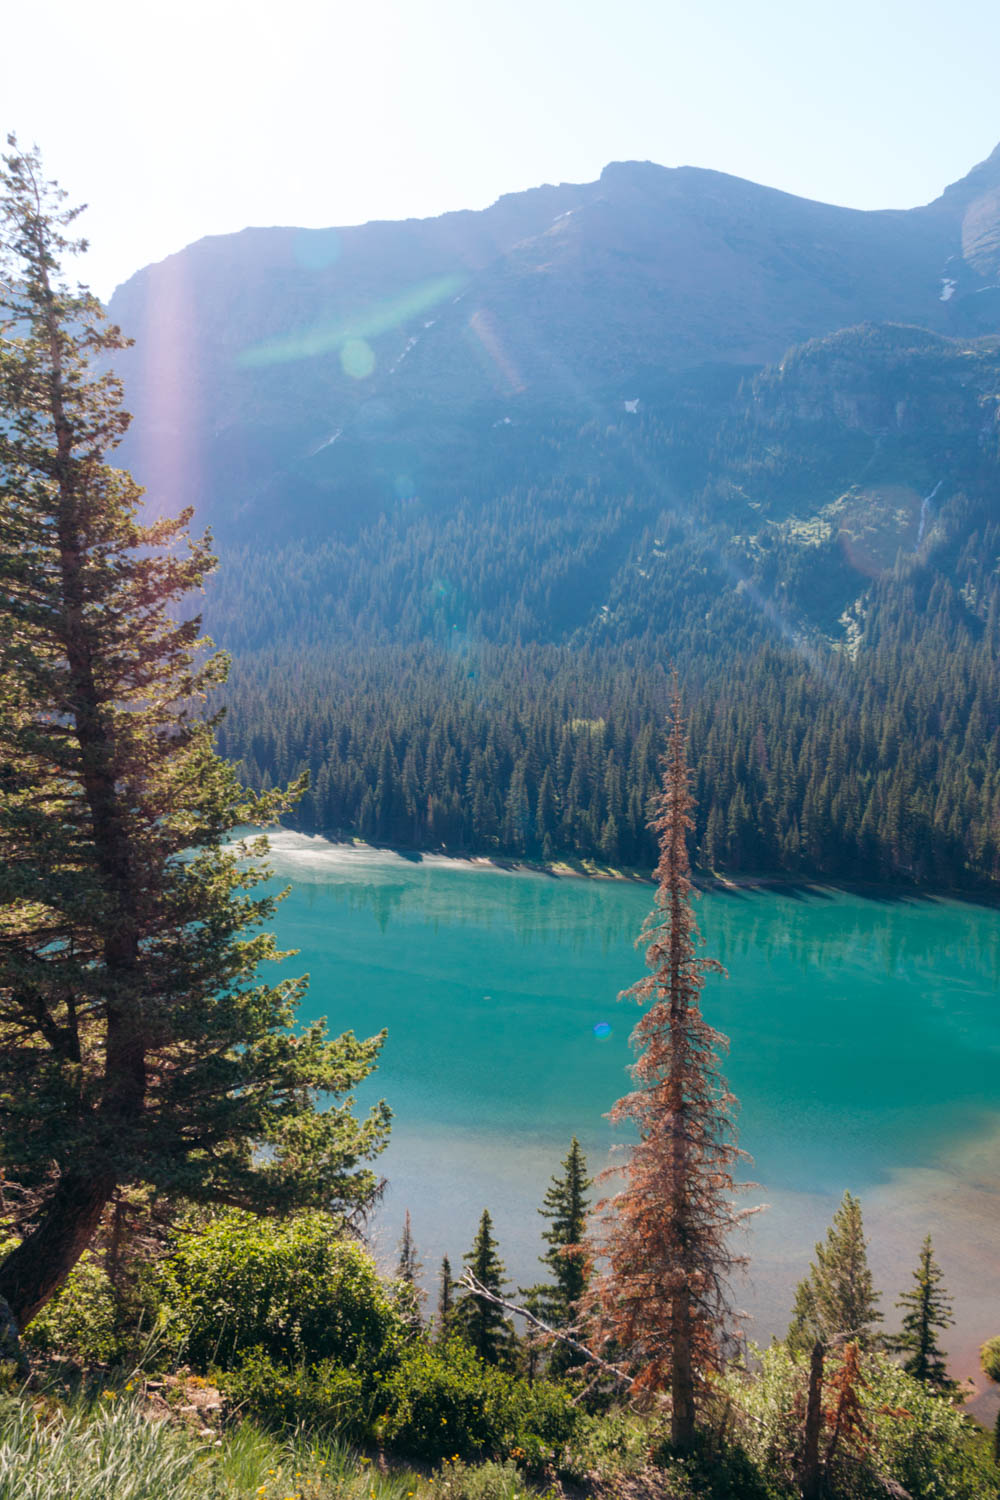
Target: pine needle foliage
(408, 1266)
(480, 1323)
(663, 1298)
(837, 1300)
(565, 1207)
(556, 1302)
(408, 1270)
(446, 1299)
(137, 1044)
(926, 1311)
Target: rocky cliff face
(885, 379)
(971, 208)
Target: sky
(173, 121)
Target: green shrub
(922, 1441)
(292, 1290)
(79, 1321)
(322, 1397)
(444, 1403)
(614, 1444)
(915, 1438)
(456, 1480)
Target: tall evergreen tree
(565, 1208)
(408, 1270)
(837, 1300)
(662, 1297)
(408, 1266)
(446, 1299)
(482, 1324)
(926, 1310)
(137, 1044)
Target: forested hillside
(480, 482)
(495, 679)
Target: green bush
(323, 1397)
(615, 1443)
(456, 1480)
(292, 1290)
(79, 1322)
(915, 1438)
(445, 1403)
(922, 1441)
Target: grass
(105, 1447)
(95, 1451)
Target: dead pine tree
(662, 1297)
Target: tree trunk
(681, 1377)
(39, 1265)
(810, 1478)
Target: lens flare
(366, 323)
(357, 358)
(483, 326)
(602, 1029)
(166, 367)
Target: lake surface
(865, 1043)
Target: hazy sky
(202, 116)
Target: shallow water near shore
(865, 1040)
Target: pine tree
(837, 1300)
(565, 1207)
(408, 1266)
(926, 1309)
(662, 1297)
(446, 1299)
(408, 1270)
(482, 1324)
(802, 1331)
(137, 1044)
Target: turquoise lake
(865, 1043)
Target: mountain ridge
(260, 349)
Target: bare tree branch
(471, 1284)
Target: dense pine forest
(447, 688)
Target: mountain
(291, 380)
(477, 481)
